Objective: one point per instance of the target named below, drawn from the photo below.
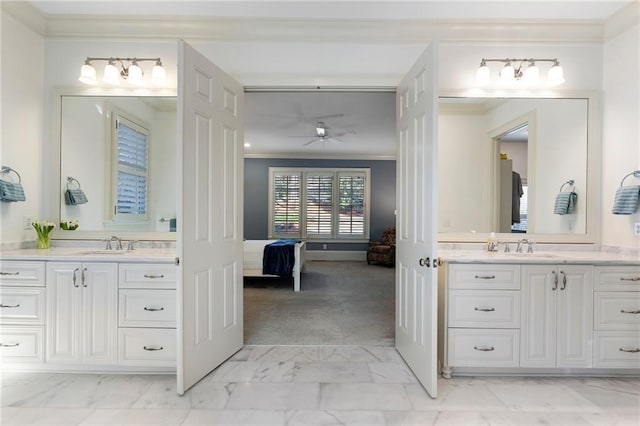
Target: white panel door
(575, 316)
(538, 300)
(64, 307)
(99, 313)
(210, 145)
(416, 236)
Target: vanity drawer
(22, 344)
(490, 277)
(617, 278)
(147, 308)
(484, 308)
(22, 305)
(483, 347)
(618, 310)
(148, 275)
(617, 349)
(17, 273)
(154, 347)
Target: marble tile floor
(315, 385)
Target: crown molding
(322, 30)
(316, 156)
(622, 20)
(25, 13)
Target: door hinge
(176, 261)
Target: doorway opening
(342, 299)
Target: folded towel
(74, 197)
(626, 200)
(11, 191)
(565, 203)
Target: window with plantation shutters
(319, 203)
(132, 160)
(285, 202)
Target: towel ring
(635, 173)
(7, 169)
(72, 179)
(569, 182)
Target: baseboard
(348, 256)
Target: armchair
(383, 251)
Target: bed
(253, 252)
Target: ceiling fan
(323, 133)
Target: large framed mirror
(115, 172)
(503, 160)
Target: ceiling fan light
(321, 130)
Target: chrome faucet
(527, 242)
(115, 239)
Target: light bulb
(111, 74)
(507, 74)
(158, 74)
(556, 75)
(483, 75)
(135, 74)
(87, 74)
(531, 75)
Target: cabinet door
(100, 313)
(575, 316)
(63, 312)
(538, 322)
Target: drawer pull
(622, 311)
(152, 309)
(2, 305)
(153, 276)
(13, 345)
(152, 348)
(484, 309)
(630, 279)
(4, 274)
(484, 349)
(485, 277)
(635, 350)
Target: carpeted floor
(340, 303)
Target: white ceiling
(433, 10)
(280, 123)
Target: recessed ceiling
(283, 122)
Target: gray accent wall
(256, 196)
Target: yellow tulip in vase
(43, 229)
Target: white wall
(621, 132)
(21, 120)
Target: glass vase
(43, 242)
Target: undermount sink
(111, 252)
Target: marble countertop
(540, 257)
(88, 254)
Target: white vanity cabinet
(82, 309)
(483, 306)
(147, 315)
(617, 317)
(22, 311)
(557, 316)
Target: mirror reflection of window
(131, 145)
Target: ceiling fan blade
(323, 117)
(311, 141)
(335, 140)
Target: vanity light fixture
(129, 70)
(524, 70)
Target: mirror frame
(594, 168)
(55, 197)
